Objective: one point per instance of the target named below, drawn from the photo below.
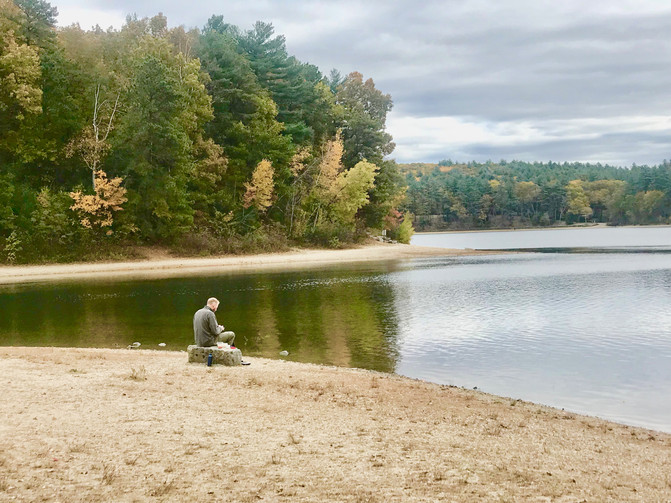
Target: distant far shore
(162, 265)
(551, 228)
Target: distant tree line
(450, 195)
(205, 140)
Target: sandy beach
(88, 425)
(162, 266)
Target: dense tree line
(206, 140)
(449, 195)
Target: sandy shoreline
(175, 267)
(120, 425)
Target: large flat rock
(229, 357)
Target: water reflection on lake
(587, 332)
(339, 317)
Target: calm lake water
(571, 239)
(588, 332)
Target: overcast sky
(533, 80)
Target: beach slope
(132, 425)
(165, 266)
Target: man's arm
(214, 326)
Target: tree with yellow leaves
(330, 167)
(96, 210)
(352, 188)
(325, 185)
(20, 75)
(259, 193)
(527, 194)
(578, 202)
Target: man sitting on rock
(206, 330)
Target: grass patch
(109, 474)
(132, 461)
(139, 374)
(163, 488)
(193, 447)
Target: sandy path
(174, 267)
(76, 426)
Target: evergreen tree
(167, 106)
(365, 111)
(293, 86)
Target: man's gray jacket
(205, 327)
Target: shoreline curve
(175, 267)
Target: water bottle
(209, 360)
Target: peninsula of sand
(161, 265)
(94, 425)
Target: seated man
(206, 331)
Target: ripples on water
(570, 331)
(589, 332)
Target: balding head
(212, 303)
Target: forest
(473, 195)
(203, 140)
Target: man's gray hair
(212, 302)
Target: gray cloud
(615, 149)
(526, 61)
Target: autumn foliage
(224, 141)
(259, 191)
(97, 210)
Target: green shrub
(12, 247)
(404, 231)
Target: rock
(284, 353)
(229, 357)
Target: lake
(588, 332)
(568, 239)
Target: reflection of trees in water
(258, 325)
(372, 325)
(99, 314)
(346, 323)
(332, 317)
(73, 316)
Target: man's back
(205, 328)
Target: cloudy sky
(475, 79)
